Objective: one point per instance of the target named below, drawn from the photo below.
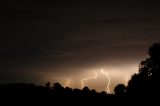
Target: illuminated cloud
(67, 83)
(86, 79)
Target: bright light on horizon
(89, 78)
(100, 79)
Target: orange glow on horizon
(102, 80)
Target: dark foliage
(146, 82)
(31, 91)
(120, 90)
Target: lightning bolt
(67, 83)
(85, 79)
(109, 80)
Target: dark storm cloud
(69, 33)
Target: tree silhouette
(48, 85)
(86, 91)
(58, 90)
(146, 82)
(120, 90)
(68, 91)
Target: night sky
(68, 40)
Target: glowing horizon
(101, 79)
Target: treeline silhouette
(143, 84)
(57, 90)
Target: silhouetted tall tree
(146, 82)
